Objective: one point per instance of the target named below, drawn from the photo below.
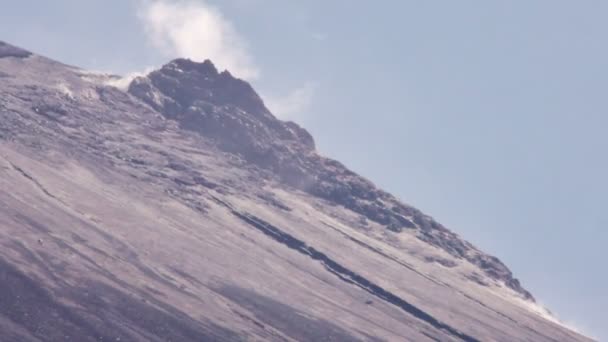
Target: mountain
(181, 209)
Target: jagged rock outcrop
(227, 109)
(183, 210)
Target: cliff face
(229, 111)
(182, 209)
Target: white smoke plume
(197, 31)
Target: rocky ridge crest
(229, 111)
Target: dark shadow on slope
(285, 318)
(345, 274)
(7, 50)
(103, 314)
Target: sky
(490, 116)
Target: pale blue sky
(488, 115)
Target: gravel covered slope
(182, 210)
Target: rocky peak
(7, 50)
(219, 105)
(228, 110)
(103, 201)
(188, 83)
(205, 68)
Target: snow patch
(123, 82)
(540, 310)
(113, 80)
(65, 89)
(96, 77)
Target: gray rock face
(7, 50)
(183, 210)
(227, 109)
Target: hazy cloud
(319, 36)
(197, 31)
(293, 103)
(124, 81)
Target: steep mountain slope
(183, 210)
